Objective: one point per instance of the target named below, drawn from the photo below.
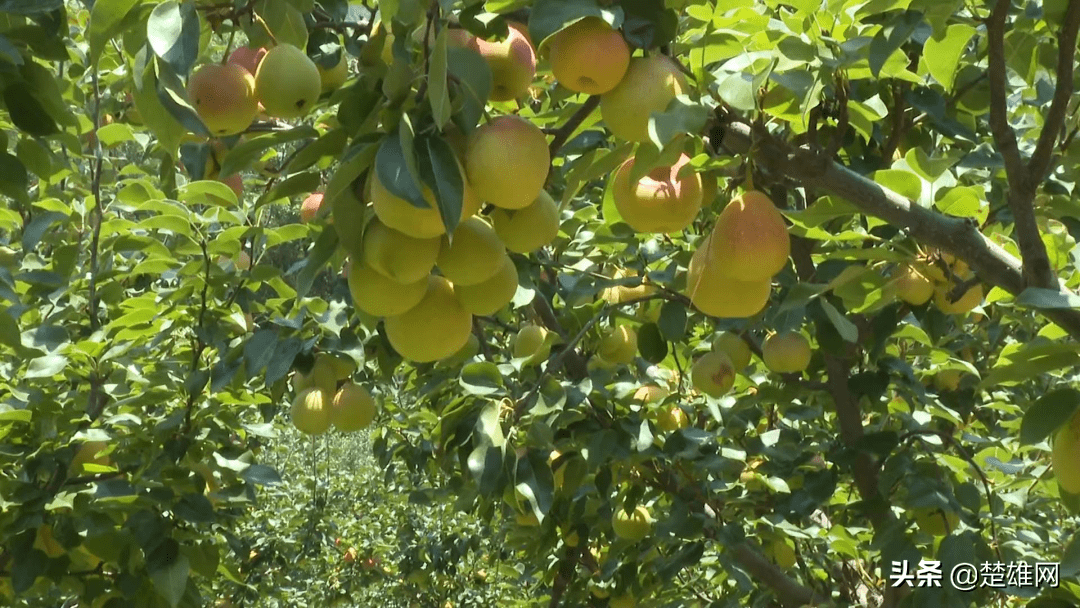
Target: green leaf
(682, 116)
(393, 170)
(904, 183)
(160, 121)
(1038, 297)
(651, 343)
(1070, 560)
(672, 322)
(14, 182)
(438, 94)
(300, 183)
(891, 38)
(482, 379)
(106, 17)
(173, 32)
(1049, 413)
(259, 350)
(488, 426)
(282, 361)
(448, 186)
(30, 7)
(285, 21)
(169, 569)
(844, 327)
(318, 257)
(964, 201)
(173, 97)
(942, 54)
(27, 113)
(330, 144)
(473, 75)
(549, 16)
(46, 367)
(244, 154)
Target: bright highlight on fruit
(224, 97)
(311, 411)
(437, 327)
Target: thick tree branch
(1054, 122)
(1023, 183)
(954, 235)
(788, 592)
(568, 128)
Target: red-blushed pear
(224, 97)
(633, 526)
(243, 261)
(1065, 457)
(912, 285)
(649, 86)
(734, 347)
(786, 352)
(488, 297)
(287, 82)
(512, 61)
(311, 411)
(309, 208)
(247, 58)
(473, 256)
(717, 295)
(379, 296)
(750, 241)
(434, 329)
(589, 56)
(396, 255)
(526, 230)
(661, 201)
(619, 345)
(332, 78)
(713, 374)
(507, 162)
(352, 408)
(403, 216)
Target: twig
(572, 124)
(1054, 121)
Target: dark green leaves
(319, 256)
(1049, 413)
(171, 92)
(106, 17)
(888, 40)
(448, 184)
(14, 182)
(482, 379)
(406, 166)
(169, 570)
(173, 33)
(651, 343)
(550, 16)
(26, 111)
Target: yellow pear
(488, 297)
(731, 344)
(713, 374)
(619, 345)
(750, 241)
(617, 294)
(331, 79)
(473, 255)
(971, 298)
(650, 393)
(507, 161)
(311, 411)
(470, 350)
(531, 344)
(396, 255)
(589, 56)
(528, 229)
(321, 375)
(912, 285)
(403, 216)
(661, 201)
(352, 408)
(717, 295)
(512, 62)
(649, 85)
(1065, 457)
(224, 97)
(672, 419)
(786, 353)
(948, 379)
(634, 525)
(434, 329)
(340, 367)
(379, 296)
(287, 82)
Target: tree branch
(789, 592)
(953, 235)
(572, 124)
(1063, 89)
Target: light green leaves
(173, 32)
(1048, 414)
(106, 18)
(942, 55)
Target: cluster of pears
(325, 396)
(918, 281)
(282, 82)
(428, 316)
(730, 273)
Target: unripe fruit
(380, 296)
(331, 79)
(530, 228)
(45, 541)
(512, 62)
(713, 374)
(352, 409)
(589, 56)
(649, 85)
(287, 82)
(311, 411)
(508, 161)
(434, 329)
(672, 419)
(309, 208)
(488, 297)
(88, 454)
(341, 368)
(782, 553)
(474, 254)
(633, 526)
(786, 353)
(396, 255)
(912, 285)
(1065, 457)
(659, 202)
(224, 97)
(531, 342)
(734, 347)
(750, 241)
(717, 295)
(403, 216)
(936, 522)
(619, 345)
(247, 58)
